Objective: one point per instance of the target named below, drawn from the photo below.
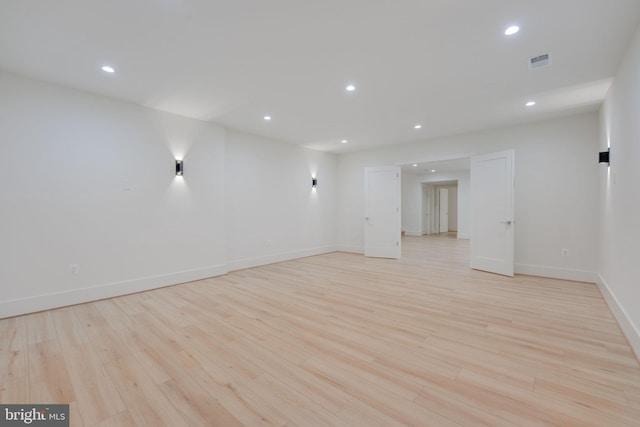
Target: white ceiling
(445, 64)
(440, 167)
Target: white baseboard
(626, 324)
(413, 233)
(37, 303)
(557, 273)
(464, 236)
(270, 259)
(350, 249)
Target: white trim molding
(17, 307)
(630, 331)
(556, 273)
(350, 249)
(270, 259)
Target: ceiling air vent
(540, 61)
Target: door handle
(505, 222)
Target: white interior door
(444, 210)
(382, 212)
(492, 207)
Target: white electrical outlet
(74, 269)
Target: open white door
(444, 210)
(382, 212)
(492, 207)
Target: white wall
(556, 189)
(91, 181)
(273, 214)
(620, 196)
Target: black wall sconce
(604, 156)
(179, 168)
(314, 182)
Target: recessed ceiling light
(108, 69)
(415, 165)
(344, 141)
(267, 118)
(351, 88)
(417, 127)
(433, 171)
(530, 103)
(512, 30)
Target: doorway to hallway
(439, 207)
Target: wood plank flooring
(333, 340)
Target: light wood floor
(333, 340)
